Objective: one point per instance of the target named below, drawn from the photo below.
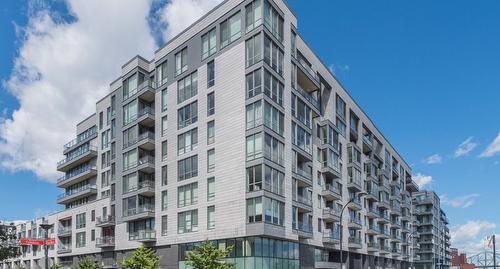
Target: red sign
(37, 242)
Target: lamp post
(46, 227)
(351, 200)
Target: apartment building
(234, 132)
(434, 234)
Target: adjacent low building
(234, 132)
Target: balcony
(143, 236)
(373, 247)
(75, 194)
(396, 251)
(372, 213)
(331, 214)
(146, 141)
(146, 116)
(308, 98)
(146, 188)
(303, 204)
(77, 176)
(354, 242)
(141, 212)
(306, 76)
(372, 193)
(355, 204)
(384, 218)
(373, 229)
(84, 155)
(304, 230)
(146, 90)
(106, 221)
(62, 249)
(367, 143)
(64, 231)
(331, 192)
(302, 175)
(355, 223)
(105, 242)
(90, 134)
(331, 236)
(385, 233)
(396, 238)
(384, 250)
(331, 168)
(146, 164)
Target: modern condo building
(234, 132)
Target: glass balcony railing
(146, 110)
(315, 103)
(105, 241)
(76, 191)
(143, 235)
(105, 219)
(146, 208)
(355, 220)
(332, 234)
(303, 200)
(332, 188)
(77, 172)
(308, 69)
(354, 240)
(64, 230)
(331, 211)
(302, 172)
(305, 227)
(83, 151)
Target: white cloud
(434, 159)
(422, 181)
(177, 15)
(493, 148)
(465, 147)
(469, 237)
(460, 202)
(61, 70)
(334, 68)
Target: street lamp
(46, 227)
(351, 200)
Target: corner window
(253, 15)
(230, 29)
(208, 44)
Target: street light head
(46, 226)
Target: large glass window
(164, 125)
(164, 200)
(273, 55)
(273, 180)
(208, 44)
(80, 239)
(254, 178)
(164, 150)
(187, 221)
(253, 50)
(129, 183)
(80, 220)
(210, 132)
(230, 29)
(210, 74)
(254, 146)
(341, 108)
(211, 189)
(273, 88)
(254, 114)
(254, 209)
(187, 115)
(187, 195)
(161, 74)
(274, 211)
(301, 138)
(129, 159)
(187, 87)
(301, 111)
(273, 149)
(164, 100)
(211, 217)
(187, 168)
(210, 160)
(210, 104)
(273, 20)
(130, 111)
(181, 65)
(131, 83)
(254, 83)
(273, 118)
(253, 15)
(130, 136)
(187, 141)
(164, 225)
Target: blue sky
(426, 72)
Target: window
(341, 108)
(254, 115)
(187, 168)
(92, 215)
(164, 150)
(80, 220)
(253, 50)
(273, 88)
(210, 104)
(254, 210)
(187, 115)
(164, 225)
(181, 61)
(211, 189)
(164, 100)
(273, 20)
(230, 30)
(274, 211)
(80, 239)
(187, 221)
(130, 136)
(164, 175)
(164, 200)
(301, 111)
(341, 126)
(161, 74)
(92, 235)
(273, 55)
(254, 83)
(208, 44)
(211, 217)
(210, 160)
(273, 180)
(254, 178)
(273, 149)
(187, 87)
(130, 159)
(210, 132)
(301, 138)
(273, 118)
(164, 125)
(254, 146)
(129, 206)
(187, 141)
(130, 112)
(210, 74)
(129, 182)
(293, 44)
(253, 15)
(130, 85)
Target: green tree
(208, 256)
(8, 247)
(56, 266)
(142, 258)
(87, 263)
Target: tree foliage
(56, 266)
(142, 258)
(87, 263)
(8, 247)
(208, 256)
